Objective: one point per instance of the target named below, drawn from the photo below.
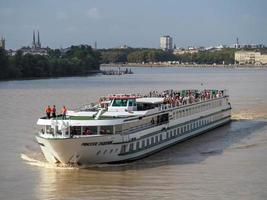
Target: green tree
(3, 64)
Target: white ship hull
(121, 148)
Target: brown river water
(227, 163)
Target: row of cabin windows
(143, 123)
(171, 134)
(82, 130)
(196, 109)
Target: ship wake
(34, 161)
(30, 160)
(248, 116)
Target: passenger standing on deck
(48, 111)
(54, 111)
(63, 112)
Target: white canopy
(153, 100)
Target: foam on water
(248, 115)
(44, 164)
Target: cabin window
(162, 118)
(137, 145)
(132, 102)
(123, 148)
(118, 129)
(157, 139)
(106, 130)
(131, 147)
(89, 130)
(49, 129)
(75, 130)
(152, 140)
(119, 102)
(160, 137)
(143, 143)
(147, 141)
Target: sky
(136, 23)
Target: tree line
(129, 55)
(76, 60)
(134, 55)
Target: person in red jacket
(48, 111)
(54, 111)
(63, 112)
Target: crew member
(63, 112)
(48, 111)
(54, 111)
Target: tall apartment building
(166, 43)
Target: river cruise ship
(126, 127)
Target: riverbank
(180, 65)
(92, 72)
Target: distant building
(3, 43)
(36, 44)
(184, 51)
(95, 45)
(36, 48)
(124, 46)
(250, 57)
(254, 46)
(166, 43)
(237, 45)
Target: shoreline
(51, 77)
(137, 65)
(181, 65)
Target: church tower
(38, 40)
(33, 40)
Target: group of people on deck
(53, 111)
(177, 98)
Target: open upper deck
(123, 106)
